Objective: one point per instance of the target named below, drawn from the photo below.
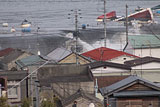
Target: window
(12, 93)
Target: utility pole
(126, 23)
(105, 36)
(37, 93)
(126, 28)
(38, 45)
(76, 33)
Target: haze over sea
(52, 18)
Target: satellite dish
(91, 105)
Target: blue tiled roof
(34, 59)
(144, 41)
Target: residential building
(82, 99)
(104, 81)
(102, 68)
(62, 55)
(11, 56)
(65, 80)
(146, 67)
(31, 64)
(17, 90)
(145, 45)
(3, 87)
(109, 55)
(132, 92)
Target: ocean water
(52, 16)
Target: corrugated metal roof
(30, 60)
(136, 93)
(144, 41)
(59, 54)
(125, 82)
(104, 54)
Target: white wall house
(108, 69)
(144, 45)
(122, 59)
(146, 67)
(109, 55)
(102, 68)
(154, 52)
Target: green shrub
(26, 102)
(48, 104)
(3, 102)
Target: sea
(53, 23)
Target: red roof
(103, 54)
(5, 51)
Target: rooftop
(104, 54)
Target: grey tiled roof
(137, 93)
(142, 60)
(64, 73)
(80, 93)
(126, 82)
(109, 64)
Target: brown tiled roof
(5, 51)
(142, 60)
(104, 81)
(12, 56)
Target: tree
(3, 102)
(26, 102)
(47, 104)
